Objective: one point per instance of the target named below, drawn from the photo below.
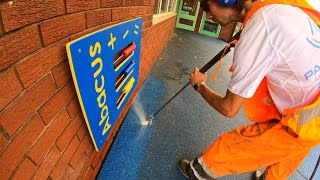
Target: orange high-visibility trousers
(258, 145)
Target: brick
(146, 24)
(88, 174)
(134, 12)
(42, 146)
(9, 89)
(106, 147)
(19, 146)
(107, 25)
(73, 107)
(145, 32)
(68, 133)
(65, 158)
(54, 105)
(74, 173)
(62, 74)
(148, 18)
(88, 31)
(96, 170)
(110, 3)
(17, 45)
(86, 165)
(19, 13)
(98, 17)
(149, 11)
(79, 170)
(3, 141)
(61, 27)
(26, 170)
(132, 2)
(48, 164)
(148, 2)
(95, 160)
(78, 154)
(68, 172)
(79, 167)
(198, 23)
(81, 5)
(83, 33)
(37, 65)
(26, 104)
(89, 145)
(119, 13)
(82, 131)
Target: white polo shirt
(282, 43)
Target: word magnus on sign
(99, 87)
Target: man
(277, 78)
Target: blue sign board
(105, 71)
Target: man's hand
(197, 77)
(228, 106)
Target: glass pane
(172, 6)
(186, 21)
(211, 26)
(156, 6)
(189, 7)
(164, 6)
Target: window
(165, 6)
(164, 9)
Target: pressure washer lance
(315, 169)
(126, 52)
(204, 69)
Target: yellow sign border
(75, 80)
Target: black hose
(315, 169)
(204, 69)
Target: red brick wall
(42, 131)
(199, 19)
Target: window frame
(159, 16)
(158, 9)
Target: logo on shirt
(313, 73)
(314, 37)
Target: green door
(187, 14)
(209, 27)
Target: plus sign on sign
(105, 69)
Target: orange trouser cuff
(251, 147)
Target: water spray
(204, 69)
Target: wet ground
(184, 128)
